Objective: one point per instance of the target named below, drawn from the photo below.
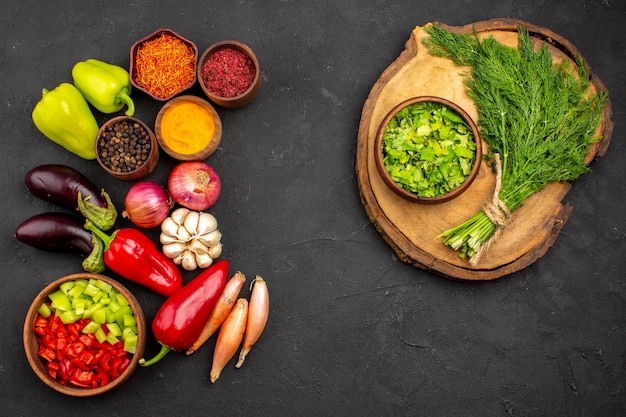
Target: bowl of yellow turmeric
(188, 128)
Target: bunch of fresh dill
(538, 118)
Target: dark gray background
(352, 331)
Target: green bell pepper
(106, 86)
(64, 117)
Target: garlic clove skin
(197, 247)
(169, 226)
(206, 223)
(191, 222)
(183, 234)
(179, 259)
(215, 251)
(166, 239)
(189, 261)
(172, 250)
(203, 260)
(211, 239)
(178, 215)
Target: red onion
(194, 185)
(147, 204)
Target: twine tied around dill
(496, 210)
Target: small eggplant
(68, 188)
(63, 232)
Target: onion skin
(258, 313)
(222, 308)
(194, 185)
(147, 204)
(229, 338)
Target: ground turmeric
(187, 127)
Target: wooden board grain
(411, 229)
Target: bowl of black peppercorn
(127, 148)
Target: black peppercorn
(124, 146)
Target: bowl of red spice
(229, 74)
(163, 64)
(127, 148)
(188, 128)
(84, 334)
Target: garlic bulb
(191, 238)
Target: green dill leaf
(540, 117)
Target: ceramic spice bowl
(163, 64)
(126, 148)
(188, 128)
(428, 150)
(229, 74)
(127, 315)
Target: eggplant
(66, 187)
(63, 232)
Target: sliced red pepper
(61, 341)
(41, 321)
(87, 358)
(82, 378)
(105, 361)
(79, 364)
(48, 341)
(55, 324)
(102, 377)
(47, 353)
(75, 358)
(53, 369)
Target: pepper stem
(164, 351)
(123, 97)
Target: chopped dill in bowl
(428, 149)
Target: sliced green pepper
(64, 117)
(106, 86)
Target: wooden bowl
(410, 196)
(239, 97)
(168, 72)
(142, 165)
(31, 339)
(188, 138)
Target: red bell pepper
(131, 254)
(181, 318)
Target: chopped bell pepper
(76, 358)
(106, 86)
(64, 117)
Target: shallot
(229, 338)
(258, 312)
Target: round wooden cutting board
(411, 229)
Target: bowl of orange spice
(188, 128)
(163, 64)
